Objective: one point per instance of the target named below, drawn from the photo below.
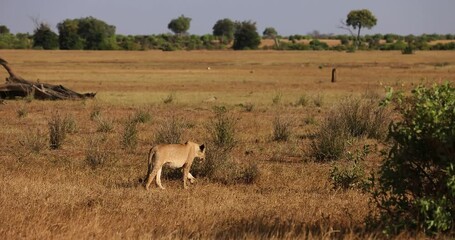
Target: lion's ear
(202, 147)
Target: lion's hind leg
(158, 178)
(150, 177)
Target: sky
(288, 17)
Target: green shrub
(415, 187)
(352, 173)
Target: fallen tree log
(15, 86)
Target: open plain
(48, 193)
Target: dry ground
(56, 194)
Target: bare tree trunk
(16, 86)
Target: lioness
(177, 156)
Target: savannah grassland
(57, 194)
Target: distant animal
(175, 156)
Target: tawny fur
(176, 156)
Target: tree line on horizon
(90, 33)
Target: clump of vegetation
(104, 125)
(170, 131)
(277, 98)
(353, 117)
(302, 101)
(22, 112)
(130, 135)
(98, 153)
(352, 173)
(248, 107)
(415, 187)
(70, 124)
(282, 129)
(169, 98)
(142, 116)
(34, 141)
(57, 131)
(96, 113)
(219, 165)
(318, 100)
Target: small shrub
(330, 140)
(97, 153)
(142, 116)
(169, 98)
(170, 131)
(22, 112)
(302, 101)
(222, 129)
(57, 131)
(351, 174)
(130, 135)
(282, 129)
(309, 120)
(277, 98)
(34, 141)
(105, 126)
(352, 118)
(318, 100)
(70, 124)
(248, 107)
(96, 113)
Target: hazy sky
(286, 16)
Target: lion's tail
(149, 163)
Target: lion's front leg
(186, 172)
(191, 178)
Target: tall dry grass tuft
(57, 131)
(282, 129)
(352, 118)
(130, 135)
(170, 131)
(219, 165)
(98, 153)
(34, 141)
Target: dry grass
(57, 194)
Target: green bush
(415, 187)
(352, 173)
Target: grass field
(57, 194)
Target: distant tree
(69, 38)
(44, 37)
(224, 29)
(4, 29)
(97, 34)
(270, 33)
(246, 36)
(179, 25)
(86, 33)
(358, 19)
